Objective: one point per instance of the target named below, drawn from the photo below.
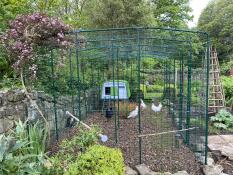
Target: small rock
(33, 95)
(1, 100)
(5, 125)
(210, 161)
(227, 151)
(181, 173)
(2, 114)
(130, 171)
(212, 169)
(165, 173)
(32, 114)
(14, 96)
(144, 170)
(20, 107)
(198, 155)
(10, 110)
(10, 117)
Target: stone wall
(14, 106)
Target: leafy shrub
(228, 89)
(4, 65)
(9, 83)
(98, 160)
(18, 154)
(86, 138)
(229, 102)
(195, 99)
(34, 133)
(196, 86)
(11, 161)
(151, 63)
(223, 120)
(226, 67)
(71, 149)
(154, 88)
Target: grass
(150, 95)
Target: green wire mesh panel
(109, 73)
(115, 68)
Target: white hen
(143, 105)
(156, 108)
(133, 113)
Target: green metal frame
(120, 54)
(186, 54)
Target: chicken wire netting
(146, 88)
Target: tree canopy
(217, 19)
(103, 13)
(97, 14)
(118, 13)
(171, 13)
(10, 8)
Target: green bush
(21, 153)
(195, 87)
(69, 150)
(83, 139)
(34, 133)
(151, 63)
(195, 99)
(154, 88)
(98, 160)
(228, 89)
(223, 120)
(226, 67)
(9, 83)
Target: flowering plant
(27, 32)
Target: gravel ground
(158, 152)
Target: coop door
(122, 92)
(107, 90)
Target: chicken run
(137, 85)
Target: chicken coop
(118, 89)
(114, 65)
